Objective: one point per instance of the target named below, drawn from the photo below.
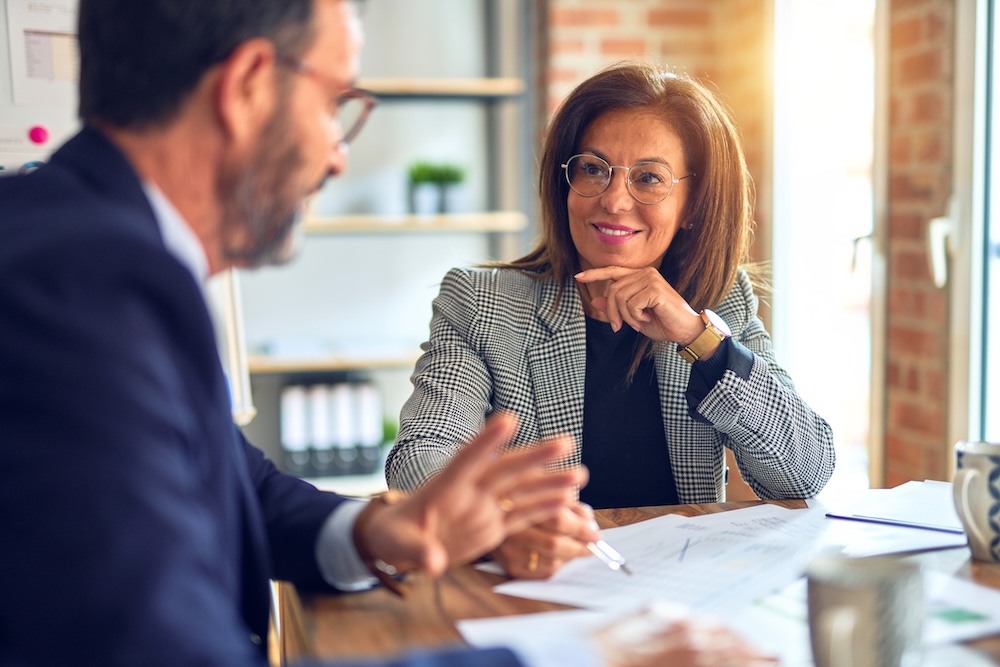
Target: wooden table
(378, 623)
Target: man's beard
(260, 208)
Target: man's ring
(532, 561)
(506, 504)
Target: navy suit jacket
(137, 526)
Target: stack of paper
(927, 505)
(753, 559)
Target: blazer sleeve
(294, 512)
(452, 389)
(784, 449)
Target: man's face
(298, 148)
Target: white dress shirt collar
(177, 236)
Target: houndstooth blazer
(498, 341)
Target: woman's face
(613, 229)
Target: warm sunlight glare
(824, 111)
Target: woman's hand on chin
(642, 299)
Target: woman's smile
(614, 233)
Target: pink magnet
(38, 134)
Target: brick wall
(585, 35)
(726, 42)
(921, 77)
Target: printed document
(705, 562)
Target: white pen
(609, 555)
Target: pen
(609, 555)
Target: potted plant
(450, 178)
(424, 192)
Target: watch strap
(706, 340)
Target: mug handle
(838, 625)
(960, 492)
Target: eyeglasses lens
(648, 182)
(351, 114)
(588, 175)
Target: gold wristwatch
(715, 331)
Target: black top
(624, 446)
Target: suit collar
(106, 170)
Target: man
(137, 526)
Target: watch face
(717, 322)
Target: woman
(631, 326)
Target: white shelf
(444, 88)
(267, 364)
(493, 221)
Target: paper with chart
(703, 562)
(44, 62)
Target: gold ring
(505, 503)
(532, 561)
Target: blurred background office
(866, 126)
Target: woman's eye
(647, 177)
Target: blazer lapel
(557, 364)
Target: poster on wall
(44, 60)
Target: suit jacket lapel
(557, 363)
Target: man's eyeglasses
(351, 106)
(648, 182)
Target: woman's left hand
(645, 301)
(541, 550)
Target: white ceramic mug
(864, 612)
(976, 490)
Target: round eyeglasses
(648, 182)
(350, 106)
(353, 107)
